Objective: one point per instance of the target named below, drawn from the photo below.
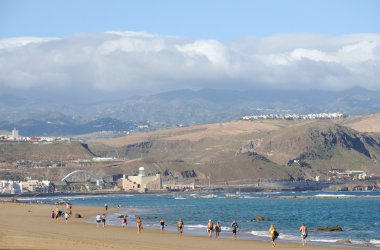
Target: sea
(358, 213)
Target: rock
(337, 228)
(78, 216)
(261, 218)
(344, 242)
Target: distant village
(140, 183)
(15, 136)
(294, 116)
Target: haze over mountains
(187, 107)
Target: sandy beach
(29, 226)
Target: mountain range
(185, 107)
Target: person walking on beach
(218, 229)
(303, 231)
(273, 234)
(139, 224)
(162, 223)
(234, 227)
(210, 228)
(106, 206)
(66, 217)
(98, 220)
(124, 221)
(180, 226)
(104, 219)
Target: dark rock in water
(121, 216)
(260, 218)
(344, 242)
(78, 216)
(337, 228)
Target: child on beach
(273, 234)
(180, 225)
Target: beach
(30, 226)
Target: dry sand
(29, 226)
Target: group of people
(55, 214)
(101, 219)
(274, 234)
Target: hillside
(231, 152)
(17, 151)
(266, 149)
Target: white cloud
(139, 62)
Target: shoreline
(29, 226)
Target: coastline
(30, 226)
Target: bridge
(82, 176)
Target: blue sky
(199, 19)
(149, 46)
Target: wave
(260, 233)
(208, 196)
(375, 242)
(197, 226)
(179, 198)
(334, 195)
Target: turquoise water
(358, 215)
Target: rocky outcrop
(330, 229)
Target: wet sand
(29, 226)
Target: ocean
(358, 213)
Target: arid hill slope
(265, 149)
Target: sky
(146, 47)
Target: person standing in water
(218, 229)
(162, 223)
(124, 221)
(139, 224)
(303, 231)
(98, 220)
(180, 226)
(234, 227)
(210, 228)
(273, 234)
(104, 219)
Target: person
(180, 225)
(139, 224)
(106, 206)
(56, 212)
(273, 234)
(104, 219)
(98, 220)
(124, 221)
(234, 227)
(303, 231)
(66, 217)
(218, 229)
(210, 228)
(162, 223)
(53, 214)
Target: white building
(140, 182)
